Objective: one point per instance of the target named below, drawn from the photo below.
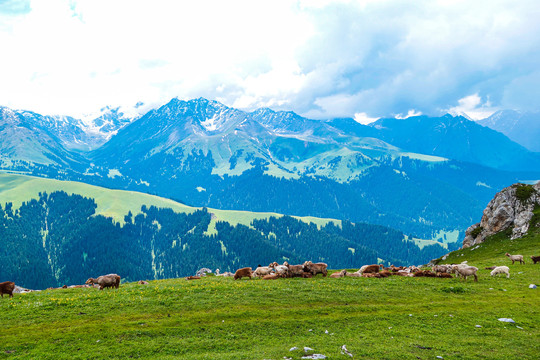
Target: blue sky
(322, 59)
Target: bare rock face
(512, 208)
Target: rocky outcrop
(510, 208)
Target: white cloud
(364, 119)
(319, 58)
(471, 107)
(410, 113)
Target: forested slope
(58, 239)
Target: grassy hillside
(17, 188)
(219, 318)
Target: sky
(322, 59)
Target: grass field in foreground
(219, 318)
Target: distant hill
(521, 127)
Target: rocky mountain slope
(511, 208)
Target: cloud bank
(319, 58)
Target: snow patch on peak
(210, 124)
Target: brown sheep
(7, 287)
(385, 273)
(445, 275)
(104, 281)
(243, 272)
(318, 268)
(371, 275)
(142, 282)
(339, 274)
(272, 276)
(193, 278)
(371, 269)
(296, 270)
(535, 259)
(424, 273)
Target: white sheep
(465, 270)
(501, 270)
(263, 270)
(516, 258)
(279, 269)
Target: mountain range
(426, 176)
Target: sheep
(279, 269)
(110, 280)
(396, 269)
(369, 269)
(466, 271)
(318, 268)
(142, 282)
(339, 274)
(243, 272)
(424, 273)
(501, 270)
(371, 275)
(515, 258)
(262, 270)
(535, 259)
(442, 268)
(444, 275)
(354, 274)
(273, 276)
(404, 273)
(295, 270)
(7, 287)
(225, 274)
(193, 277)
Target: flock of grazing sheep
(310, 269)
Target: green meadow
(116, 204)
(219, 318)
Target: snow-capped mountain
(237, 141)
(521, 127)
(27, 137)
(79, 134)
